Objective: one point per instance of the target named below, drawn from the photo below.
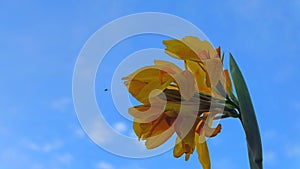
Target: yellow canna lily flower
(176, 101)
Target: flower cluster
(182, 102)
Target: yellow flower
(179, 101)
(201, 59)
(159, 110)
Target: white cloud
(104, 165)
(223, 163)
(131, 166)
(293, 151)
(79, 133)
(120, 127)
(65, 159)
(99, 133)
(270, 157)
(45, 148)
(61, 104)
(18, 157)
(269, 135)
(8, 155)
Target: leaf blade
(248, 117)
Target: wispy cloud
(18, 157)
(8, 155)
(224, 163)
(43, 147)
(120, 127)
(293, 150)
(104, 165)
(61, 104)
(131, 166)
(65, 158)
(270, 157)
(269, 135)
(79, 133)
(100, 134)
(107, 165)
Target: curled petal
(204, 126)
(203, 154)
(200, 126)
(212, 132)
(144, 81)
(178, 150)
(208, 66)
(198, 70)
(185, 146)
(190, 48)
(139, 131)
(145, 113)
(156, 132)
(169, 67)
(180, 50)
(185, 129)
(203, 49)
(161, 134)
(155, 141)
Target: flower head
(182, 102)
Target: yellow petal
(178, 150)
(155, 141)
(145, 113)
(200, 75)
(156, 132)
(228, 82)
(190, 48)
(212, 132)
(214, 69)
(141, 129)
(203, 49)
(153, 128)
(204, 126)
(180, 50)
(186, 84)
(203, 154)
(184, 147)
(161, 132)
(168, 67)
(185, 129)
(144, 81)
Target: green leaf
(248, 117)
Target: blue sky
(39, 45)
